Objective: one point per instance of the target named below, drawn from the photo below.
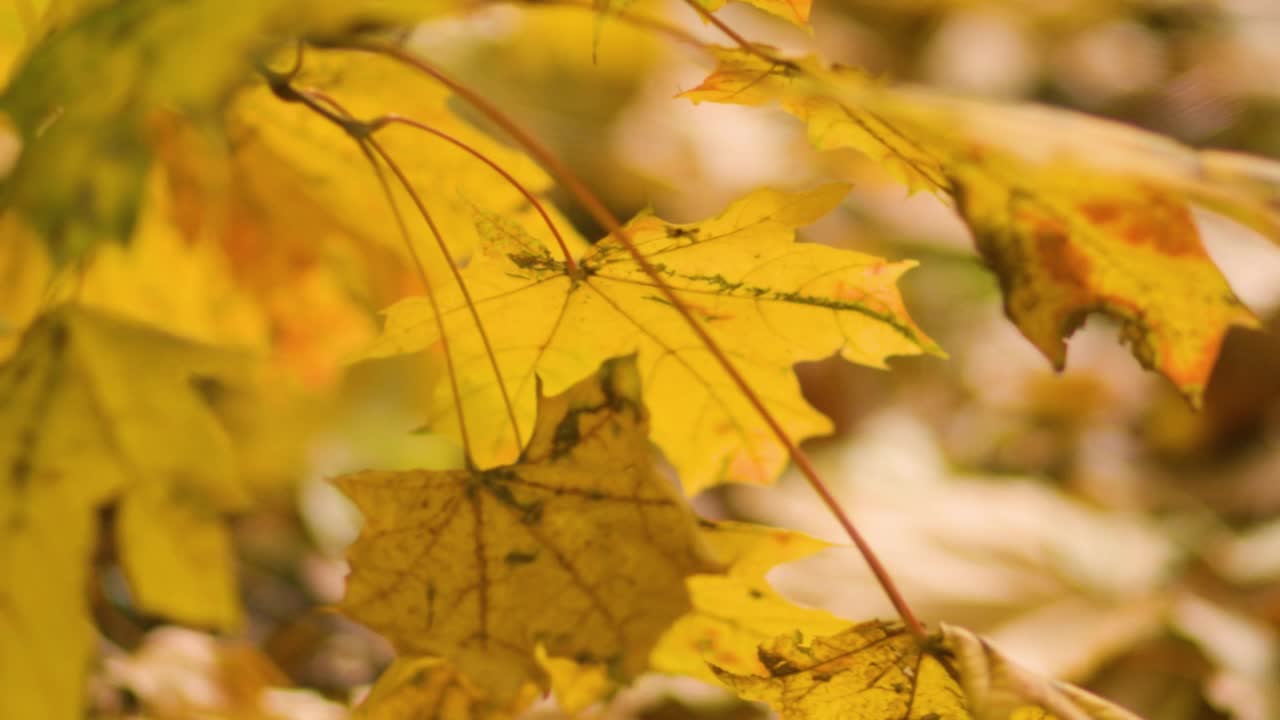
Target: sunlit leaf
(580, 547)
(770, 302)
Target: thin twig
(430, 293)
(362, 133)
(569, 262)
(730, 32)
(597, 209)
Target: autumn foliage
(219, 216)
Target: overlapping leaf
(734, 612)
(1068, 234)
(768, 301)
(73, 436)
(581, 548)
(878, 671)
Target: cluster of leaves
(178, 237)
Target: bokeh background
(1087, 521)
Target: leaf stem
(365, 144)
(362, 133)
(601, 214)
(393, 118)
(730, 32)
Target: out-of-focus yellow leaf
(768, 301)
(277, 142)
(735, 612)
(178, 556)
(46, 541)
(25, 272)
(165, 280)
(430, 689)
(878, 671)
(84, 97)
(581, 547)
(93, 408)
(1068, 230)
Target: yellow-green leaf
(768, 301)
(581, 547)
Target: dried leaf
(1066, 233)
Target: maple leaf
(768, 301)
(1066, 234)
(735, 611)
(74, 436)
(581, 547)
(878, 671)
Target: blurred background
(1088, 521)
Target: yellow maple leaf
(734, 612)
(770, 302)
(878, 671)
(75, 435)
(581, 547)
(1067, 232)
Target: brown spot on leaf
(1160, 223)
(1061, 258)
